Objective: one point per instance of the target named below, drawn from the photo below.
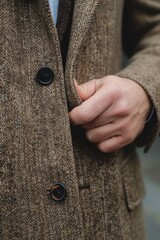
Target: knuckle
(115, 91)
(123, 108)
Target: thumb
(86, 90)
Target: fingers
(112, 116)
(100, 134)
(86, 90)
(112, 144)
(105, 118)
(114, 136)
(91, 108)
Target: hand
(113, 112)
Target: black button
(58, 192)
(45, 76)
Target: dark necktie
(64, 22)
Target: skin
(113, 112)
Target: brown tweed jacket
(39, 147)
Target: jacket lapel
(83, 12)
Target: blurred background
(151, 172)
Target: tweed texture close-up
(39, 147)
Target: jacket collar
(82, 16)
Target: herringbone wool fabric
(38, 145)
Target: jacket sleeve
(141, 44)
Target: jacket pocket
(132, 181)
